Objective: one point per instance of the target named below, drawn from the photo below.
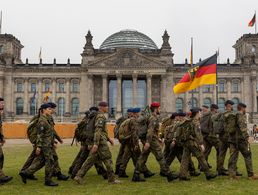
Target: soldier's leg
(119, 157)
(232, 163)
(166, 150)
(1, 162)
(84, 153)
(207, 146)
(75, 160)
(36, 165)
(125, 158)
(49, 163)
(30, 159)
(222, 154)
(183, 173)
(100, 169)
(142, 161)
(216, 145)
(247, 154)
(56, 163)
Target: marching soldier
(239, 141)
(152, 145)
(100, 149)
(3, 178)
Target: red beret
(103, 104)
(155, 104)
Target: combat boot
(195, 173)
(122, 174)
(5, 179)
(105, 175)
(23, 176)
(184, 178)
(116, 181)
(171, 177)
(148, 174)
(31, 177)
(223, 172)
(211, 176)
(62, 177)
(239, 174)
(162, 174)
(234, 177)
(137, 178)
(253, 177)
(50, 183)
(78, 180)
(117, 170)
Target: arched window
(19, 106)
(222, 86)
(235, 85)
(193, 102)
(33, 106)
(60, 85)
(61, 106)
(221, 104)
(47, 85)
(75, 106)
(179, 104)
(236, 101)
(207, 102)
(75, 86)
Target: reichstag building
(127, 70)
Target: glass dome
(128, 39)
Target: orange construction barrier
(64, 130)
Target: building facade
(127, 70)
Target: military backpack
(230, 122)
(32, 132)
(124, 131)
(217, 123)
(205, 123)
(143, 122)
(117, 127)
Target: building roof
(128, 39)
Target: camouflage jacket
(242, 130)
(164, 124)
(101, 134)
(131, 131)
(206, 123)
(169, 132)
(229, 123)
(153, 128)
(45, 137)
(52, 123)
(1, 128)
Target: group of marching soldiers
(181, 135)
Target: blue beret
(45, 106)
(129, 109)
(52, 104)
(136, 110)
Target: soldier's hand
(38, 150)
(94, 149)
(61, 141)
(172, 145)
(111, 142)
(89, 147)
(146, 146)
(202, 147)
(2, 142)
(55, 146)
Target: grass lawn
(16, 155)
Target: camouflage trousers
(223, 147)
(156, 150)
(81, 158)
(103, 154)
(120, 155)
(209, 142)
(195, 150)
(176, 152)
(39, 162)
(243, 147)
(46, 158)
(131, 151)
(1, 162)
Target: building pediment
(128, 58)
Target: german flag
(203, 73)
(252, 22)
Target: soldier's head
(229, 105)
(1, 103)
(196, 112)
(181, 115)
(241, 107)
(214, 108)
(155, 108)
(173, 115)
(103, 107)
(53, 107)
(94, 109)
(135, 112)
(46, 109)
(129, 112)
(205, 108)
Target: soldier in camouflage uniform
(86, 143)
(174, 150)
(239, 142)
(152, 145)
(44, 151)
(122, 146)
(3, 178)
(210, 139)
(190, 136)
(100, 149)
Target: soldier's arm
(150, 131)
(242, 124)
(99, 125)
(134, 131)
(41, 128)
(57, 137)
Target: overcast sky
(59, 26)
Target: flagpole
(191, 61)
(255, 23)
(217, 86)
(1, 23)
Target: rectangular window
(75, 87)
(1, 49)
(19, 87)
(33, 87)
(60, 87)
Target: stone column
(90, 91)
(229, 89)
(1, 86)
(119, 96)
(84, 94)
(247, 91)
(40, 97)
(200, 96)
(26, 102)
(187, 103)
(8, 95)
(105, 89)
(254, 96)
(163, 96)
(67, 96)
(54, 90)
(135, 88)
(149, 99)
(215, 95)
